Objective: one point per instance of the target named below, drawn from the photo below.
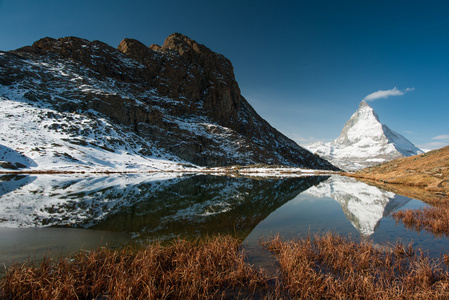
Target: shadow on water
(9, 183)
(150, 205)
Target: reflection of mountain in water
(74, 200)
(208, 204)
(155, 205)
(9, 183)
(363, 205)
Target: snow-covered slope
(364, 142)
(40, 138)
(363, 205)
(72, 104)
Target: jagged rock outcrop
(364, 142)
(193, 72)
(180, 100)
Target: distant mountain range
(364, 142)
(74, 104)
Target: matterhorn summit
(364, 142)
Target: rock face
(179, 102)
(364, 142)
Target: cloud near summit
(441, 137)
(387, 93)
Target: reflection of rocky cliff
(150, 205)
(208, 204)
(364, 205)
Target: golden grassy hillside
(429, 171)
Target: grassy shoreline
(429, 171)
(325, 266)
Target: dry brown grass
(333, 267)
(323, 267)
(184, 270)
(429, 171)
(434, 219)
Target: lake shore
(424, 177)
(326, 266)
(255, 170)
(428, 171)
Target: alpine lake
(60, 214)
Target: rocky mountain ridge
(178, 102)
(363, 142)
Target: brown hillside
(429, 171)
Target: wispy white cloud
(432, 146)
(387, 93)
(409, 132)
(441, 137)
(302, 140)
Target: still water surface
(65, 213)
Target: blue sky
(304, 65)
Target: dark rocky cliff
(181, 96)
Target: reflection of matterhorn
(364, 142)
(363, 205)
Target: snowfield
(41, 139)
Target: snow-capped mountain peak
(363, 126)
(364, 141)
